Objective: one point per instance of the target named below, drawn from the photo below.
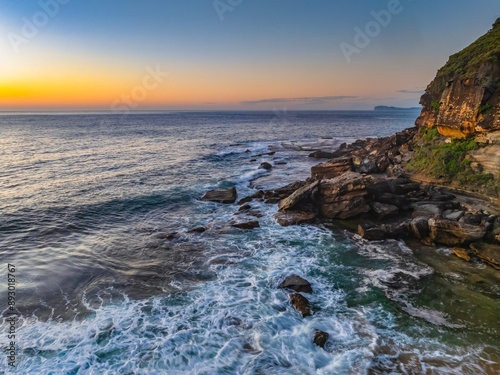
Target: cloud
(318, 99)
(421, 92)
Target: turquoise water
(87, 201)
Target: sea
(89, 203)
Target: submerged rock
(296, 283)
(266, 166)
(247, 225)
(301, 304)
(226, 196)
(288, 218)
(320, 338)
(488, 253)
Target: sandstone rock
(246, 225)
(344, 196)
(301, 304)
(245, 200)
(461, 253)
(296, 283)
(297, 196)
(419, 227)
(383, 210)
(364, 166)
(372, 233)
(488, 253)
(320, 338)
(453, 215)
(426, 210)
(453, 233)
(288, 218)
(266, 166)
(221, 196)
(258, 194)
(322, 155)
(332, 168)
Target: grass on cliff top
(449, 161)
(466, 62)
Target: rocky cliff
(464, 98)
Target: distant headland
(388, 108)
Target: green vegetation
(435, 105)
(485, 109)
(448, 160)
(466, 62)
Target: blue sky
(260, 52)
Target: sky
(229, 54)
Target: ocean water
(86, 202)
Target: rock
(253, 160)
(364, 166)
(197, 230)
(301, 304)
(258, 194)
(332, 168)
(488, 253)
(372, 233)
(288, 218)
(344, 196)
(427, 241)
(322, 155)
(221, 196)
(453, 215)
(426, 210)
(297, 196)
(419, 227)
(383, 163)
(453, 233)
(383, 210)
(247, 225)
(296, 283)
(320, 338)
(266, 166)
(245, 207)
(272, 200)
(280, 163)
(399, 201)
(255, 213)
(245, 200)
(170, 236)
(461, 253)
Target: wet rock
(198, 230)
(301, 304)
(427, 241)
(258, 194)
(226, 196)
(247, 225)
(344, 196)
(332, 168)
(255, 213)
(383, 210)
(245, 207)
(245, 200)
(297, 284)
(272, 200)
(371, 233)
(253, 160)
(488, 253)
(453, 215)
(297, 196)
(461, 253)
(320, 338)
(288, 218)
(426, 210)
(280, 163)
(419, 227)
(266, 166)
(322, 155)
(170, 236)
(454, 233)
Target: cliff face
(464, 98)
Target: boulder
(245, 200)
(461, 253)
(453, 233)
(419, 227)
(383, 210)
(453, 215)
(320, 338)
(344, 196)
(297, 196)
(332, 168)
(488, 253)
(297, 284)
(266, 166)
(288, 218)
(426, 210)
(364, 166)
(301, 304)
(246, 225)
(221, 196)
(372, 233)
